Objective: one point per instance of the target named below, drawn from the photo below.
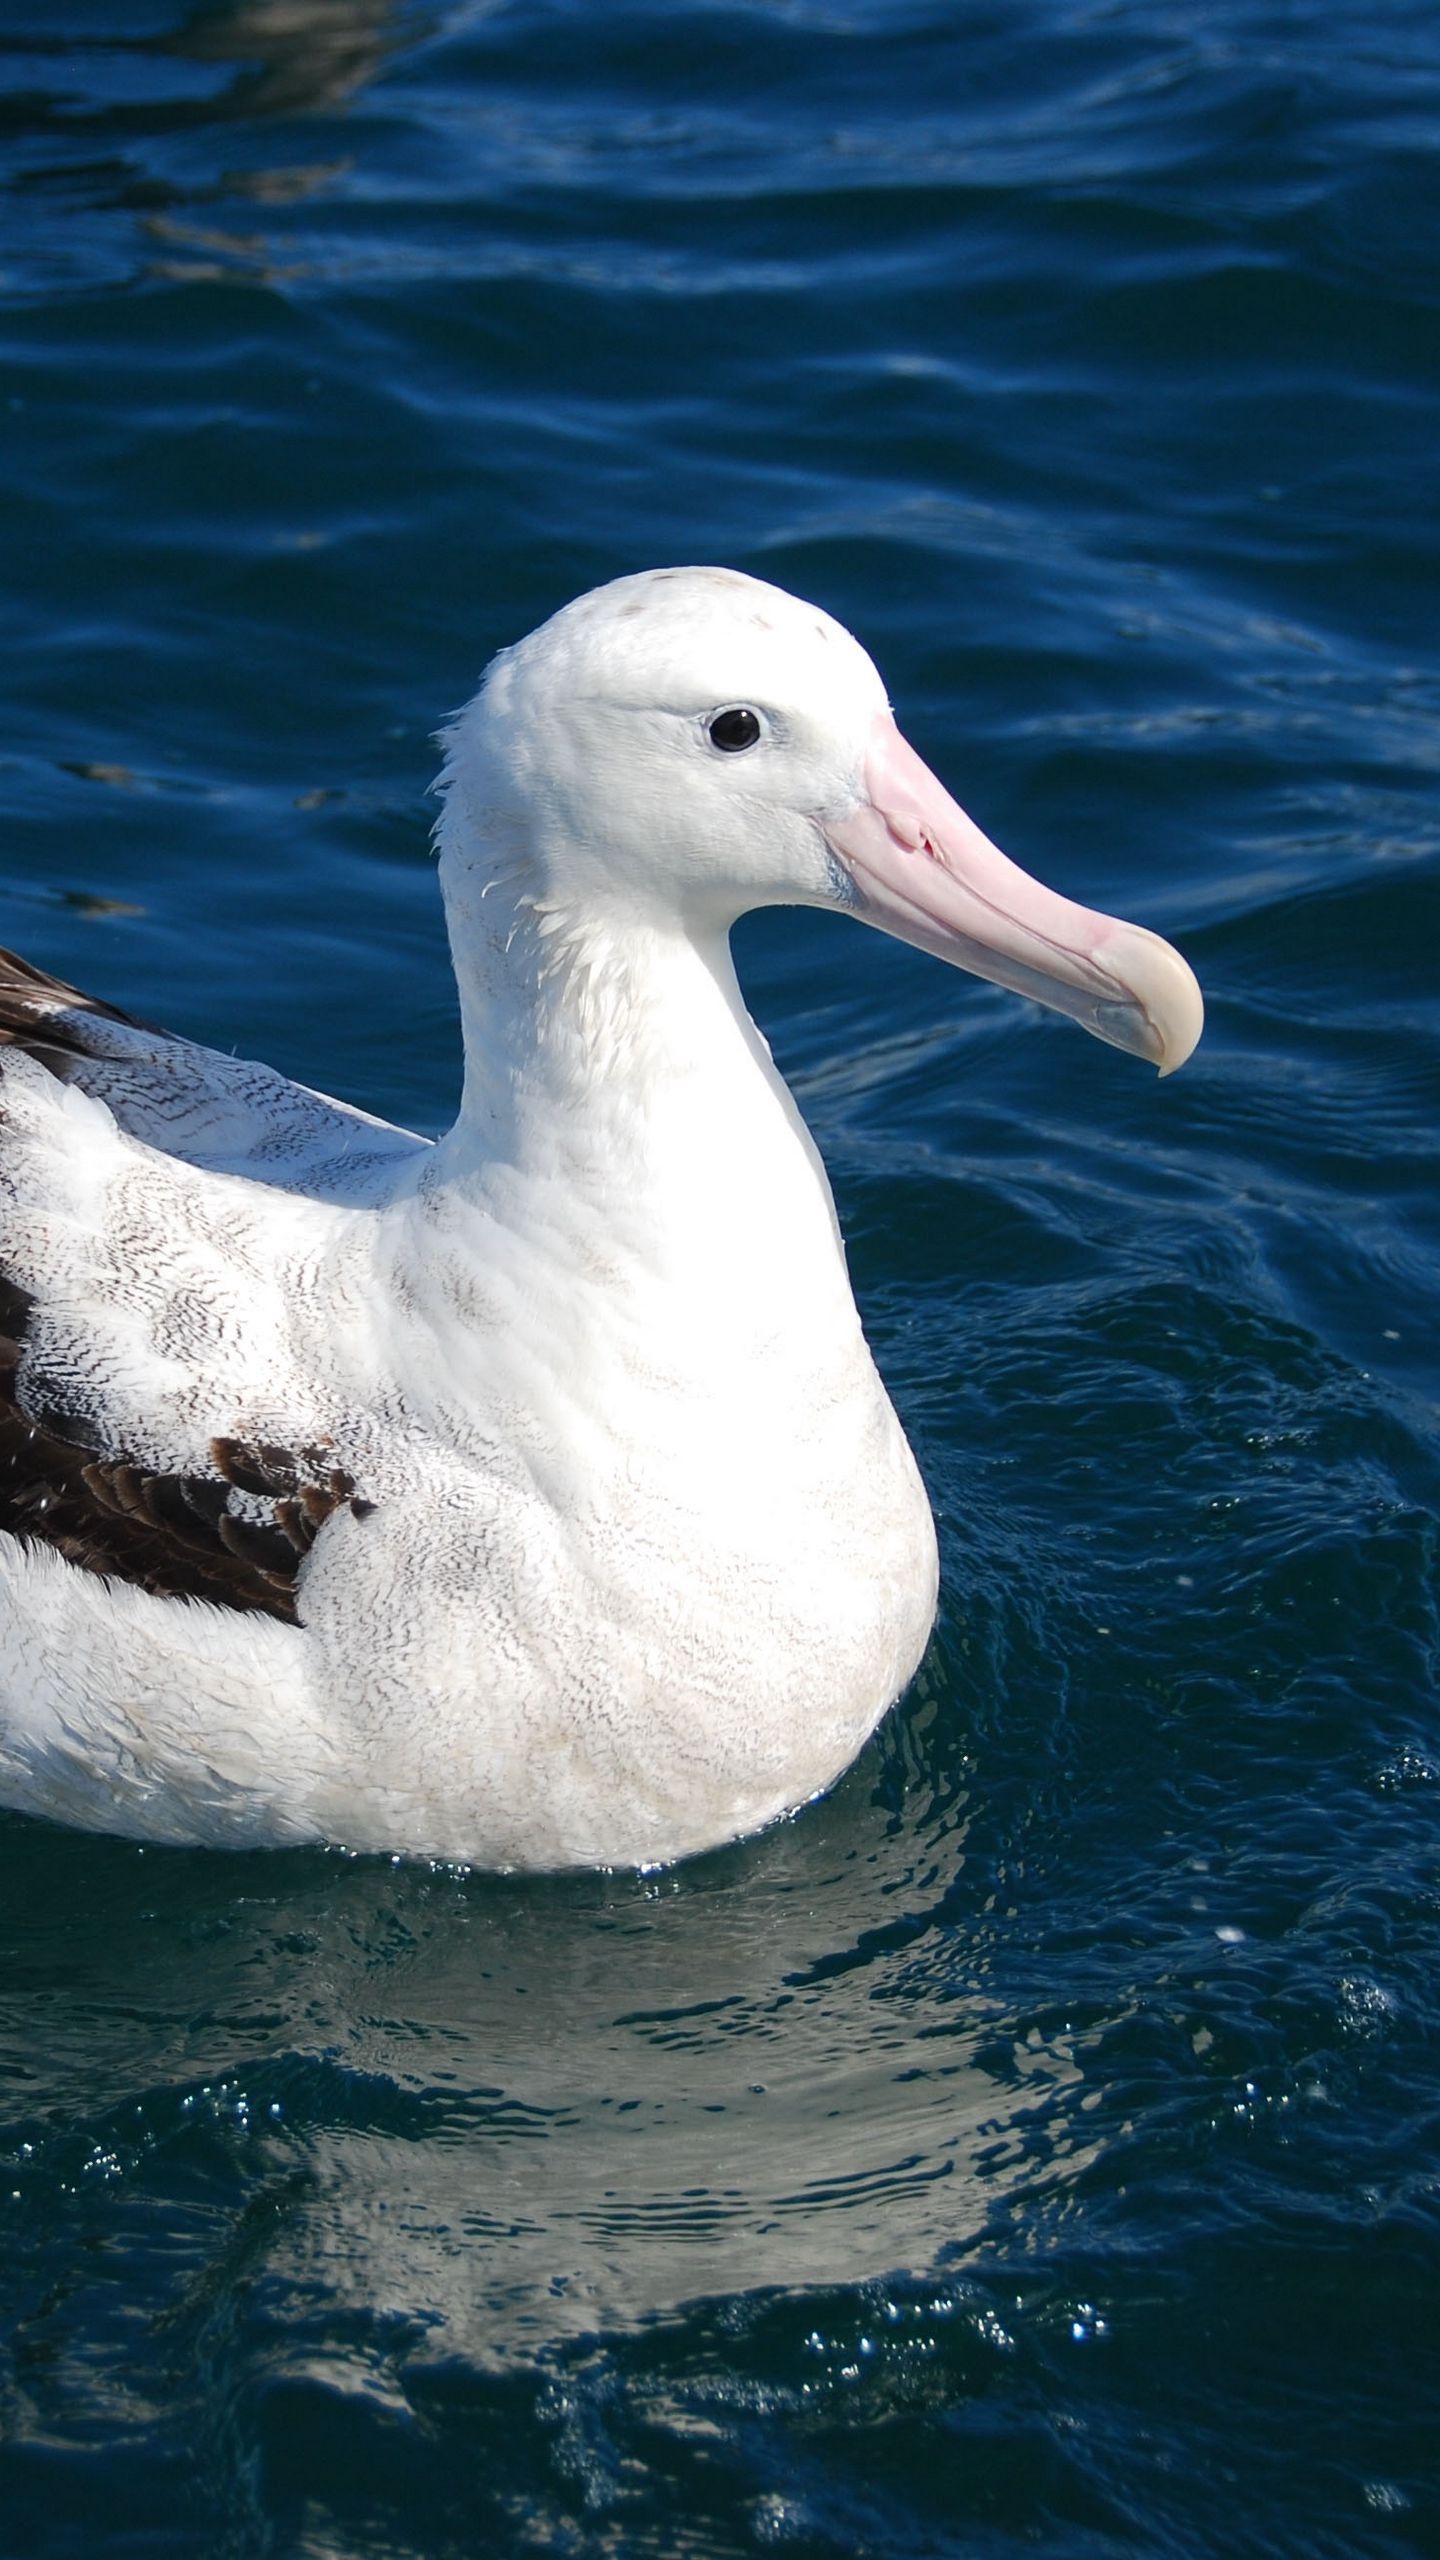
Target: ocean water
(1035, 2147)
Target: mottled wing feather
(236, 1536)
(35, 1010)
(181, 1536)
(222, 1113)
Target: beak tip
(1165, 989)
(1187, 1019)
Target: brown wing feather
(37, 1010)
(177, 1535)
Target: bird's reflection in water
(499, 2114)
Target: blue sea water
(1036, 2146)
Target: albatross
(527, 1499)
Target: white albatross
(529, 1499)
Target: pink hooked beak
(925, 872)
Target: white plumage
(531, 1498)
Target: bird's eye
(734, 731)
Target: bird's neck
(616, 1087)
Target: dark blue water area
(1036, 2145)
